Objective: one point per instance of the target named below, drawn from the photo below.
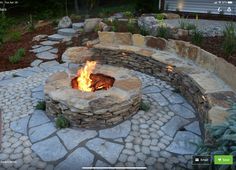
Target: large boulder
(171, 16)
(148, 24)
(65, 22)
(90, 24)
(77, 55)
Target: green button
(223, 159)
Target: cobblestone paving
(160, 138)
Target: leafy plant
(160, 16)
(5, 24)
(197, 37)
(143, 31)
(131, 26)
(182, 24)
(190, 26)
(128, 14)
(41, 105)
(144, 106)
(62, 122)
(20, 53)
(114, 25)
(163, 31)
(224, 137)
(229, 43)
(187, 26)
(12, 36)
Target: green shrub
(5, 24)
(62, 122)
(182, 24)
(114, 25)
(222, 138)
(17, 56)
(197, 37)
(229, 42)
(143, 31)
(12, 36)
(190, 26)
(160, 16)
(144, 106)
(163, 31)
(131, 26)
(186, 25)
(41, 105)
(128, 14)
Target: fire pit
(98, 96)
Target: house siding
(201, 6)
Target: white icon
(228, 9)
(215, 2)
(219, 9)
(230, 2)
(197, 159)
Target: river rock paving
(159, 138)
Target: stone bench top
(207, 81)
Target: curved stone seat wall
(186, 67)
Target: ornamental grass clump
(229, 42)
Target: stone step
(78, 25)
(67, 32)
(46, 55)
(57, 37)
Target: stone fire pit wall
(201, 82)
(99, 109)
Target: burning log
(99, 82)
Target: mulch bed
(214, 46)
(210, 44)
(9, 49)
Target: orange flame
(84, 81)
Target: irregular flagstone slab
(50, 149)
(209, 83)
(36, 63)
(38, 88)
(49, 43)
(77, 25)
(67, 32)
(81, 157)
(38, 95)
(101, 164)
(36, 46)
(54, 50)
(46, 55)
(35, 69)
(188, 106)
(40, 132)
(194, 127)
(20, 125)
(151, 89)
(73, 138)
(182, 111)
(25, 73)
(38, 118)
(159, 98)
(107, 150)
(48, 64)
(11, 81)
(57, 37)
(183, 143)
(41, 49)
(173, 98)
(119, 131)
(171, 127)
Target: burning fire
(83, 79)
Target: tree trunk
(76, 6)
